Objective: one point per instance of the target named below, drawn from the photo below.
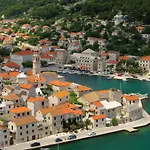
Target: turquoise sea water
(118, 141)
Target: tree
(27, 64)
(95, 46)
(16, 50)
(114, 121)
(87, 123)
(4, 51)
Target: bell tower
(36, 63)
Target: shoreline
(50, 141)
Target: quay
(131, 130)
(50, 140)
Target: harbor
(83, 136)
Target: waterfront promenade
(84, 134)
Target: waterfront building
(87, 60)
(132, 107)
(58, 85)
(61, 56)
(4, 136)
(144, 63)
(110, 95)
(81, 90)
(59, 98)
(23, 129)
(98, 121)
(113, 108)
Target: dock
(131, 130)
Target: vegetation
(75, 124)
(73, 98)
(114, 122)
(130, 66)
(7, 82)
(27, 64)
(4, 51)
(48, 90)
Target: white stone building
(4, 136)
(87, 60)
(59, 98)
(5, 107)
(144, 63)
(22, 56)
(98, 121)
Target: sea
(117, 141)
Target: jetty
(131, 130)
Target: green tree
(114, 121)
(27, 64)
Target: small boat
(124, 79)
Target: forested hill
(105, 9)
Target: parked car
(35, 144)
(73, 136)
(92, 133)
(58, 140)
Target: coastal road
(50, 140)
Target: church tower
(36, 63)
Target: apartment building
(144, 63)
(23, 129)
(4, 136)
(36, 103)
(59, 98)
(87, 60)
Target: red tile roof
(12, 65)
(23, 53)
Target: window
(96, 120)
(113, 110)
(32, 130)
(54, 118)
(27, 113)
(42, 103)
(45, 133)
(61, 117)
(46, 128)
(20, 127)
(60, 100)
(20, 133)
(102, 119)
(22, 114)
(16, 101)
(27, 132)
(4, 131)
(18, 115)
(54, 124)
(32, 125)
(97, 125)
(26, 126)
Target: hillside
(105, 9)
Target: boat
(124, 79)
